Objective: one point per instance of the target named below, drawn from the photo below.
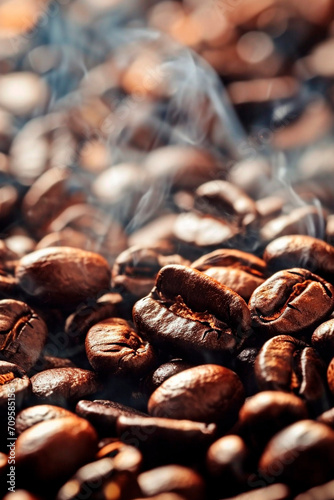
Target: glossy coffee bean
(35, 414)
(63, 386)
(301, 455)
(164, 372)
(125, 457)
(52, 451)
(323, 339)
(172, 479)
(268, 412)
(291, 302)
(206, 393)
(22, 333)
(287, 364)
(113, 346)
(103, 414)
(14, 384)
(301, 251)
(63, 276)
(213, 319)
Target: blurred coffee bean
(51, 451)
(174, 316)
(327, 418)
(268, 412)
(63, 276)
(64, 386)
(125, 457)
(253, 176)
(323, 339)
(158, 232)
(22, 333)
(35, 414)
(291, 302)
(206, 393)
(14, 385)
(136, 268)
(50, 362)
(67, 238)
(322, 492)
(103, 414)
(113, 346)
(20, 244)
(244, 367)
(164, 372)
(32, 96)
(289, 455)
(301, 251)
(330, 376)
(269, 208)
(9, 197)
(172, 479)
(287, 364)
(273, 492)
(20, 495)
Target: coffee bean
(52, 451)
(327, 418)
(214, 318)
(323, 339)
(13, 380)
(164, 372)
(272, 492)
(323, 492)
(172, 479)
(301, 455)
(244, 367)
(63, 386)
(291, 302)
(113, 346)
(35, 414)
(63, 276)
(330, 376)
(22, 333)
(287, 364)
(20, 495)
(103, 414)
(207, 393)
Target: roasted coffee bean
(103, 414)
(323, 492)
(268, 412)
(20, 495)
(13, 381)
(323, 339)
(291, 302)
(8, 284)
(50, 362)
(125, 457)
(244, 367)
(62, 386)
(227, 464)
(63, 276)
(22, 333)
(301, 455)
(172, 479)
(206, 393)
(272, 492)
(190, 311)
(35, 414)
(113, 346)
(225, 200)
(330, 376)
(327, 418)
(136, 268)
(287, 364)
(165, 371)
(301, 251)
(240, 271)
(52, 451)
(166, 440)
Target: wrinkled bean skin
(323, 339)
(206, 393)
(301, 251)
(35, 414)
(287, 364)
(14, 380)
(63, 276)
(189, 310)
(112, 346)
(22, 333)
(301, 455)
(291, 302)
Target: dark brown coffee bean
(301, 455)
(164, 372)
(35, 414)
(225, 200)
(112, 346)
(287, 364)
(22, 333)
(240, 271)
(330, 376)
(166, 440)
(291, 302)
(172, 479)
(50, 362)
(135, 269)
(63, 276)
(9, 287)
(323, 339)
(214, 318)
(125, 457)
(61, 386)
(272, 492)
(13, 381)
(206, 393)
(103, 414)
(244, 367)
(227, 465)
(268, 412)
(52, 451)
(301, 251)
